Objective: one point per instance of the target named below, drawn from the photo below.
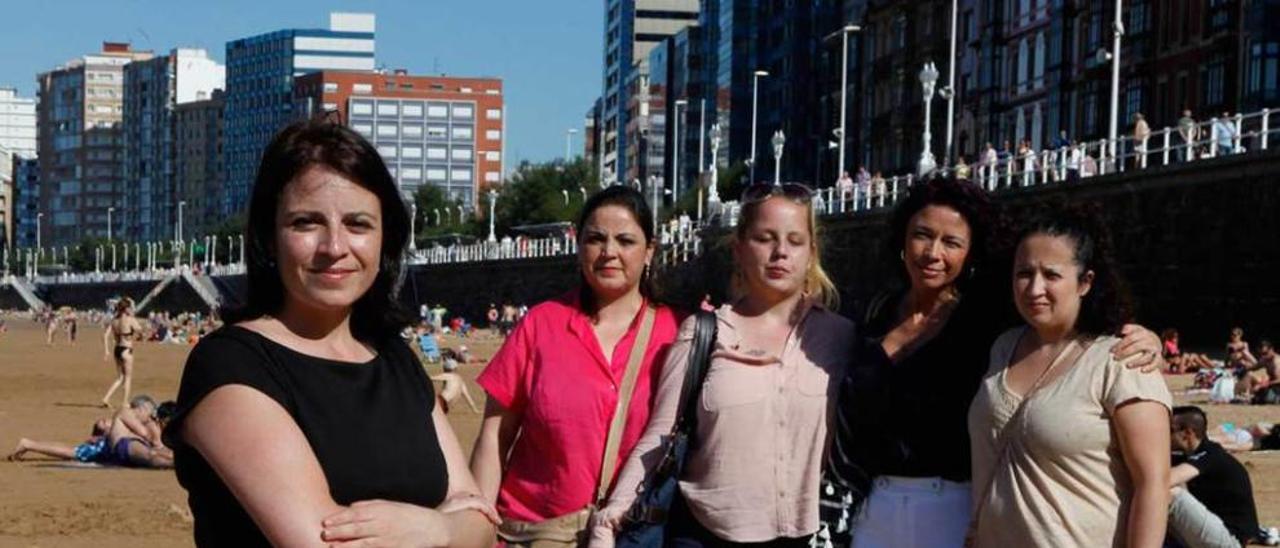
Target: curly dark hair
(1108, 306)
(968, 199)
(295, 149)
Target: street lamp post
(493, 200)
(1118, 31)
(844, 89)
(713, 194)
(951, 85)
(113, 257)
(675, 152)
(755, 100)
(178, 229)
(655, 184)
(779, 141)
(110, 210)
(38, 217)
(583, 190)
(242, 249)
(460, 214)
(928, 79)
(413, 225)
(437, 212)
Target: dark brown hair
(294, 150)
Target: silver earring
(902, 255)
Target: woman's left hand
(1140, 348)
(381, 523)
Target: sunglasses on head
(763, 191)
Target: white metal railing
(1238, 134)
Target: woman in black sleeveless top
(306, 420)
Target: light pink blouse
(762, 429)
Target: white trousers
(913, 512)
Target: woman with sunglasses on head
(900, 441)
(752, 472)
(1070, 447)
(563, 372)
(307, 420)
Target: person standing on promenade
(561, 381)
(307, 419)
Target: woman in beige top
(1070, 447)
(752, 474)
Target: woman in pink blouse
(753, 471)
(556, 380)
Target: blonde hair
(818, 286)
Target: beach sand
(52, 394)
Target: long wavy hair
(294, 150)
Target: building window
(493, 114)
(437, 132)
(411, 153)
(386, 130)
(463, 154)
(437, 111)
(363, 129)
(493, 156)
(493, 135)
(388, 109)
(462, 132)
(362, 88)
(412, 130)
(412, 109)
(437, 175)
(387, 151)
(437, 153)
(460, 175)
(330, 87)
(464, 112)
(492, 177)
(411, 174)
(361, 108)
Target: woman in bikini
(118, 341)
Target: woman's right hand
(604, 527)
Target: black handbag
(644, 526)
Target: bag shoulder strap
(704, 340)
(614, 440)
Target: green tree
(542, 193)
(433, 204)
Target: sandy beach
(51, 393)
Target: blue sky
(548, 52)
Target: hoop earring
(902, 255)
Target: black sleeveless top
(369, 425)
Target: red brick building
(444, 131)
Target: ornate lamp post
(493, 200)
(928, 79)
(779, 141)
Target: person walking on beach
(307, 419)
(117, 344)
(575, 379)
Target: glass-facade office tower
(259, 98)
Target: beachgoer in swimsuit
(90, 451)
(120, 334)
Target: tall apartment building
(443, 131)
(17, 138)
(632, 29)
(197, 162)
(25, 200)
(259, 99)
(153, 90)
(79, 143)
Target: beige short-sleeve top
(1064, 481)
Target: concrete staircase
(203, 287)
(26, 291)
(155, 291)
